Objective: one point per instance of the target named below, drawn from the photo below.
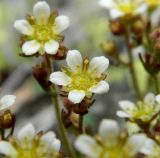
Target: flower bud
(138, 26)
(7, 120)
(41, 75)
(81, 108)
(109, 48)
(117, 27)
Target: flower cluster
(80, 80)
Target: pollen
(82, 81)
(44, 33)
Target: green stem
(55, 100)
(131, 66)
(60, 124)
(155, 78)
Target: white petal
(55, 146)
(109, 131)
(135, 143)
(149, 99)
(60, 78)
(7, 101)
(157, 98)
(74, 59)
(27, 133)
(30, 47)
(126, 105)
(62, 23)
(41, 11)
(123, 114)
(24, 27)
(108, 4)
(114, 13)
(141, 9)
(100, 88)
(148, 147)
(98, 65)
(48, 138)
(76, 96)
(51, 47)
(87, 146)
(7, 149)
(132, 128)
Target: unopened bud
(41, 75)
(74, 119)
(117, 27)
(7, 120)
(109, 48)
(138, 26)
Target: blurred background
(88, 29)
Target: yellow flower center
(32, 149)
(44, 33)
(127, 8)
(44, 30)
(116, 151)
(81, 79)
(112, 153)
(143, 111)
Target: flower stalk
(81, 124)
(131, 64)
(155, 78)
(54, 97)
(55, 100)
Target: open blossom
(144, 110)
(109, 143)
(28, 144)
(7, 101)
(42, 32)
(82, 78)
(119, 8)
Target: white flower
(108, 143)
(28, 144)
(43, 32)
(7, 101)
(143, 110)
(82, 78)
(118, 8)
